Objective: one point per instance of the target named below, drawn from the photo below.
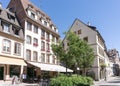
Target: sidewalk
(111, 81)
(8, 83)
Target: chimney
(0, 5)
(88, 23)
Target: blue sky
(104, 14)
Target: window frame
(28, 39)
(17, 48)
(6, 47)
(35, 55)
(28, 57)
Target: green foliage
(78, 53)
(71, 81)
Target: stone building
(91, 35)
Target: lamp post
(78, 71)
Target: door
(1, 73)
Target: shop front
(37, 71)
(10, 67)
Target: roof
(25, 4)
(4, 16)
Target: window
(45, 23)
(43, 46)
(47, 47)
(15, 30)
(28, 55)
(57, 40)
(35, 55)
(35, 29)
(6, 28)
(35, 42)
(28, 39)
(43, 34)
(6, 46)
(101, 51)
(55, 29)
(29, 26)
(12, 18)
(53, 38)
(85, 39)
(32, 15)
(53, 59)
(43, 57)
(79, 31)
(17, 48)
(14, 70)
(48, 58)
(47, 37)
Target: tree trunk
(84, 71)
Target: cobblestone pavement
(111, 81)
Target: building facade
(114, 58)
(11, 45)
(39, 34)
(94, 39)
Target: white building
(39, 33)
(11, 45)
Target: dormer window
(32, 15)
(6, 27)
(30, 6)
(45, 23)
(15, 30)
(12, 9)
(12, 18)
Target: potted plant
(103, 65)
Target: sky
(104, 14)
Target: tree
(77, 52)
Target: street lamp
(78, 71)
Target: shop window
(14, 70)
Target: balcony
(35, 44)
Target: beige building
(95, 40)
(39, 34)
(11, 45)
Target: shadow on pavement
(114, 82)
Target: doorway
(1, 73)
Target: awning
(50, 67)
(12, 61)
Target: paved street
(111, 81)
